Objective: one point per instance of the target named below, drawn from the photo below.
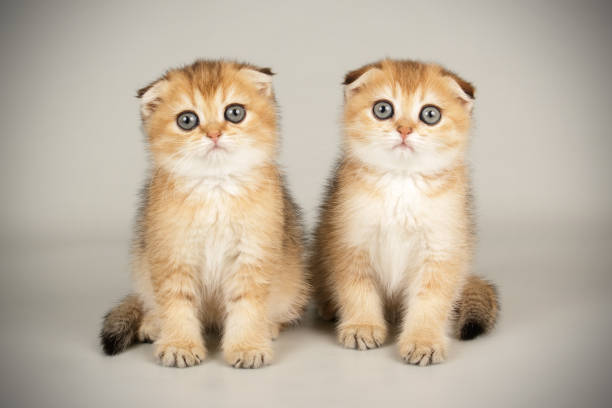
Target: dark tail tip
(471, 329)
(121, 325)
(477, 309)
(114, 343)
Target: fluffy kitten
(395, 231)
(219, 240)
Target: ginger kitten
(219, 240)
(395, 232)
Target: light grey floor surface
(551, 347)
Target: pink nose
(404, 131)
(213, 134)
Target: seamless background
(72, 159)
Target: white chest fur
(391, 227)
(213, 239)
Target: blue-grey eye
(187, 120)
(383, 110)
(430, 115)
(235, 113)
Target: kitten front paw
(177, 354)
(249, 358)
(422, 352)
(362, 336)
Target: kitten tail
(121, 325)
(477, 309)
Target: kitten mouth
(214, 148)
(403, 146)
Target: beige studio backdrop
(72, 160)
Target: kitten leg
(423, 338)
(275, 329)
(289, 295)
(180, 342)
(149, 328)
(247, 336)
(361, 314)
(323, 296)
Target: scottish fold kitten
(395, 232)
(219, 241)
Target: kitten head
(211, 118)
(406, 115)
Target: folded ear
(354, 80)
(261, 77)
(150, 97)
(465, 91)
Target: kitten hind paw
(148, 332)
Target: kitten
(219, 240)
(395, 230)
